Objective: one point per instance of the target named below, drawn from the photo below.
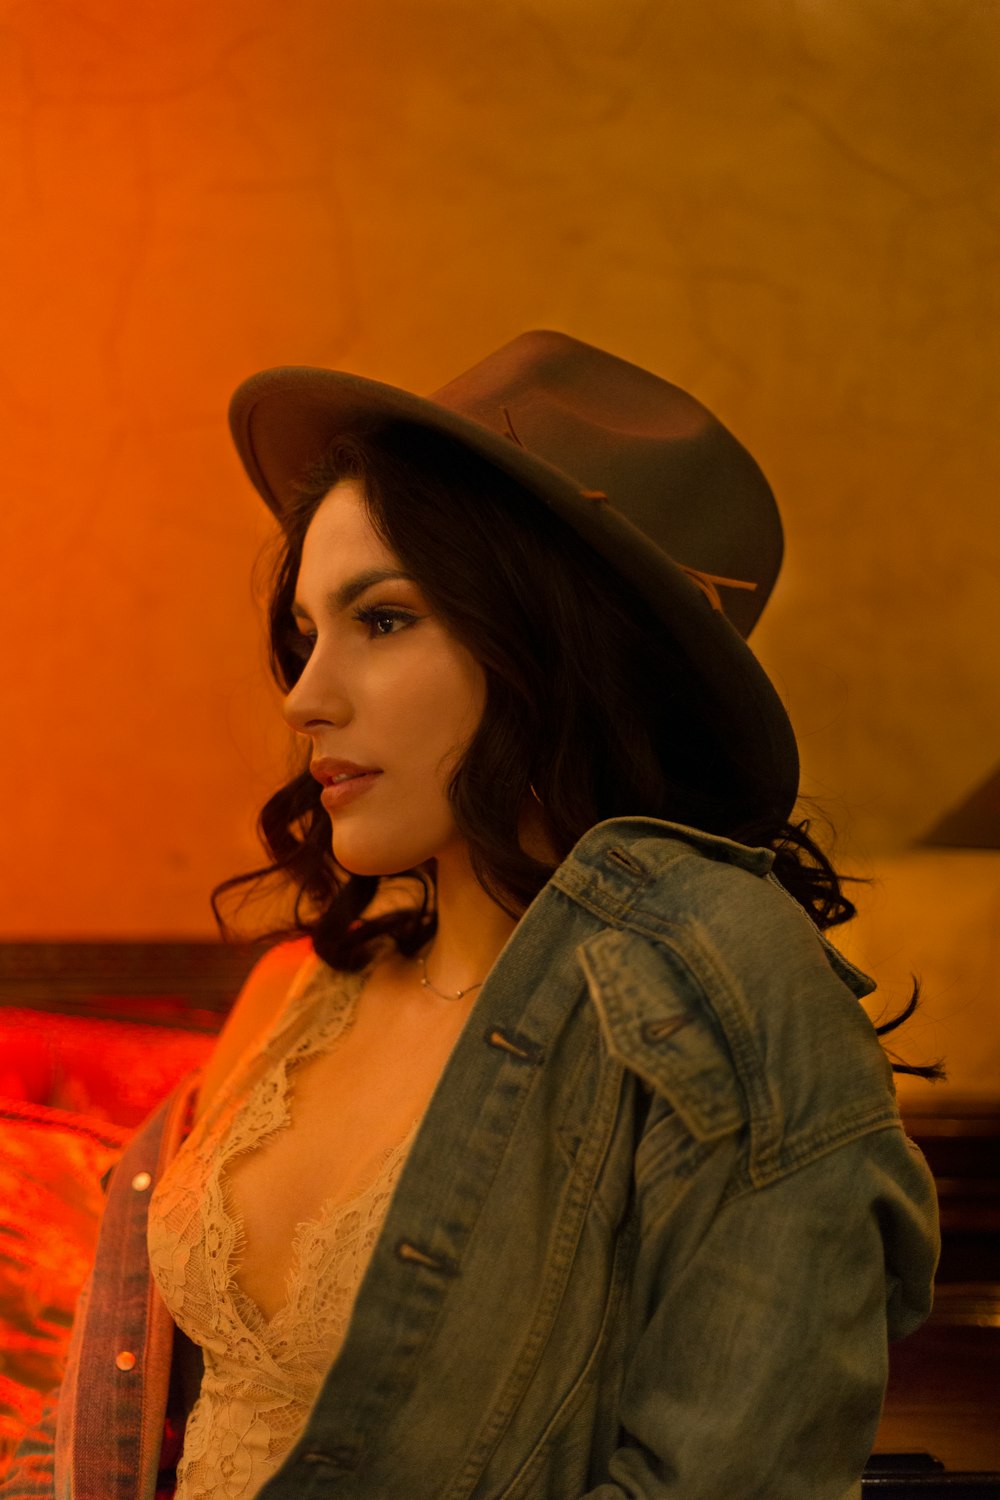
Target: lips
(329, 772)
(339, 794)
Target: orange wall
(935, 914)
(791, 208)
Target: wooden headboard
(190, 984)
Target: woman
(658, 1213)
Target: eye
(374, 614)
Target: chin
(368, 859)
(361, 866)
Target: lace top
(261, 1375)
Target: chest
(349, 1108)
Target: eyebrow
(340, 598)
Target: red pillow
(116, 1071)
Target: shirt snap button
(141, 1181)
(125, 1360)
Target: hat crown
(661, 457)
(554, 371)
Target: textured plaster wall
(790, 207)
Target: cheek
(437, 706)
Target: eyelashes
(368, 614)
(299, 644)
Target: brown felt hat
(640, 469)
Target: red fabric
(71, 1091)
(115, 1071)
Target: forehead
(342, 555)
(340, 532)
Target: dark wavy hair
(588, 703)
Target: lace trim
(261, 1375)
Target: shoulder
(265, 991)
(726, 901)
(715, 902)
(715, 985)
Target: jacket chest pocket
(654, 1019)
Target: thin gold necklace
(422, 961)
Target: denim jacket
(656, 1226)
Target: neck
(471, 928)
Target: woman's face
(384, 685)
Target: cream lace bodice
(261, 1375)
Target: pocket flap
(653, 1016)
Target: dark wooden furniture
(944, 1385)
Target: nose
(315, 701)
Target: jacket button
(141, 1181)
(658, 1031)
(125, 1360)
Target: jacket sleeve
(760, 1360)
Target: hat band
(710, 583)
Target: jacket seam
(622, 909)
(626, 1244)
(580, 1188)
(854, 1129)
